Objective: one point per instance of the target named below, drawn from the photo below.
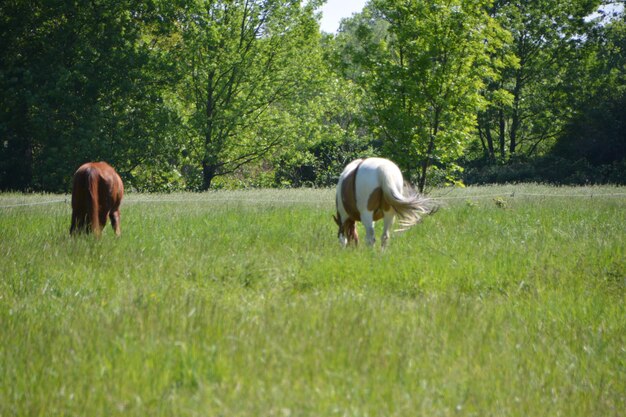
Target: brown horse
(96, 194)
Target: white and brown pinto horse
(372, 189)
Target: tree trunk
(209, 171)
(425, 164)
(209, 168)
(431, 146)
(486, 131)
(486, 138)
(513, 134)
(16, 159)
(502, 135)
(515, 118)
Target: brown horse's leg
(116, 221)
(79, 218)
(79, 221)
(92, 223)
(79, 224)
(80, 203)
(74, 221)
(83, 224)
(102, 221)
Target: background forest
(202, 94)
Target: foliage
(333, 133)
(198, 94)
(588, 142)
(531, 102)
(597, 130)
(245, 64)
(549, 169)
(78, 83)
(425, 77)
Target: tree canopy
(199, 94)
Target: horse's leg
(116, 221)
(367, 218)
(388, 222)
(102, 221)
(74, 221)
(79, 222)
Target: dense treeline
(199, 94)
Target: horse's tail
(93, 180)
(79, 214)
(409, 205)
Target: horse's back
(374, 166)
(101, 178)
(375, 174)
(110, 179)
(366, 170)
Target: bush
(321, 164)
(548, 169)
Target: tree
(596, 132)
(77, 83)
(425, 78)
(333, 125)
(332, 133)
(244, 62)
(529, 103)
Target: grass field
(509, 301)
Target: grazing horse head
(347, 230)
(372, 189)
(96, 194)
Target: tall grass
(508, 301)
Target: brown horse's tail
(409, 205)
(92, 178)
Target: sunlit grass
(508, 301)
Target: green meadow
(509, 301)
